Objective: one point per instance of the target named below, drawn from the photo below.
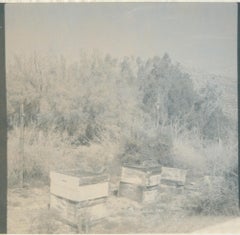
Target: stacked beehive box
(140, 183)
(172, 180)
(79, 198)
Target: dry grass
(45, 152)
(28, 213)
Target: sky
(198, 35)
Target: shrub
(41, 154)
(154, 145)
(218, 197)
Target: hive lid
(146, 169)
(86, 177)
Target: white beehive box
(79, 196)
(173, 176)
(144, 176)
(138, 193)
(77, 186)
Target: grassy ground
(28, 213)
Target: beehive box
(173, 176)
(72, 212)
(171, 189)
(139, 175)
(138, 193)
(64, 208)
(78, 186)
(79, 196)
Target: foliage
(138, 109)
(218, 197)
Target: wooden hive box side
(139, 193)
(150, 195)
(131, 191)
(65, 209)
(173, 176)
(68, 186)
(133, 176)
(141, 175)
(80, 193)
(93, 212)
(154, 179)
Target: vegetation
(101, 111)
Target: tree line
(99, 97)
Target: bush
(154, 145)
(42, 153)
(218, 197)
